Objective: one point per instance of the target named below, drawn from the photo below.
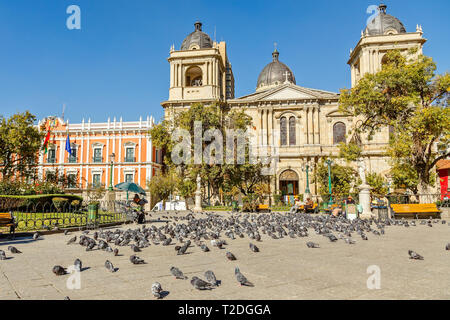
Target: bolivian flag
(47, 139)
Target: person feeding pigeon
(140, 203)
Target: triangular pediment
(288, 93)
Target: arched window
(283, 131)
(292, 140)
(339, 132)
(194, 77)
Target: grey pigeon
(59, 271)
(36, 236)
(109, 266)
(72, 240)
(14, 249)
(135, 248)
(136, 260)
(241, 278)
(312, 245)
(66, 232)
(211, 277)
(230, 256)
(156, 290)
(253, 247)
(447, 247)
(414, 255)
(200, 284)
(78, 264)
(204, 248)
(116, 252)
(177, 273)
(2, 255)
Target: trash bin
(93, 211)
(381, 212)
(235, 206)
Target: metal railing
(49, 216)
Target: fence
(49, 215)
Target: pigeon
(59, 271)
(66, 232)
(36, 236)
(167, 242)
(447, 247)
(116, 252)
(66, 298)
(253, 248)
(14, 249)
(177, 273)
(312, 245)
(211, 277)
(156, 290)
(241, 278)
(136, 260)
(182, 250)
(109, 266)
(2, 255)
(90, 246)
(78, 264)
(135, 248)
(72, 240)
(415, 256)
(200, 284)
(204, 248)
(230, 256)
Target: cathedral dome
(384, 24)
(197, 39)
(275, 73)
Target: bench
(7, 220)
(415, 210)
(314, 209)
(263, 208)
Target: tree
(20, 142)
(377, 183)
(161, 186)
(343, 178)
(216, 176)
(408, 96)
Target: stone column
(110, 198)
(305, 126)
(198, 196)
(310, 125)
(317, 126)
(364, 192)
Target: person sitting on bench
(140, 202)
(309, 204)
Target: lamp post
(305, 168)
(329, 162)
(111, 160)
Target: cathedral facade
(303, 124)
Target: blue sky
(116, 65)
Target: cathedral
(303, 124)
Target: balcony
(51, 160)
(97, 160)
(72, 159)
(129, 159)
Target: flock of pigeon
(183, 230)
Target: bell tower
(199, 71)
(383, 33)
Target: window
(72, 180)
(339, 132)
(292, 139)
(73, 155)
(194, 77)
(50, 176)
(97, 155)
(96, 180)
(129, 177)
(129, 154)
(156, 156)
(283, 131)
(51, 155)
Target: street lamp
(329, 163)
(305, 168)
(111, 160)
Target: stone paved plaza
(283, 269)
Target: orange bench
(7, 220)
(416, 210)
(263, 208)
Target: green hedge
(14, 203)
